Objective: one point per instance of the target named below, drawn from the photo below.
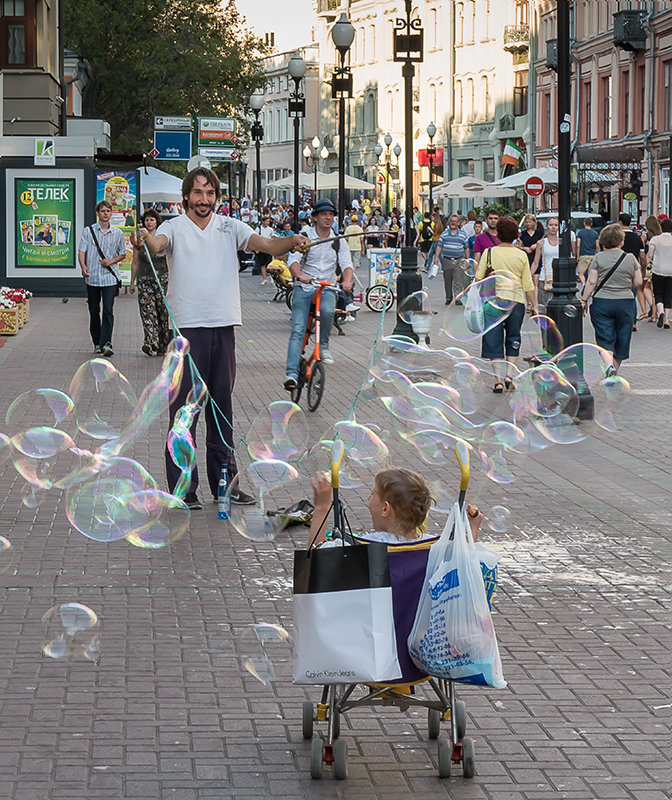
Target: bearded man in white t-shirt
(204, 296)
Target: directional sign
(534, 187)
(219, 153)
(217, 132)
(172, 123)
(172, 145)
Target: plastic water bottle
(223, 502)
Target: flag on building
(511, 153)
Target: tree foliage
(167, 57)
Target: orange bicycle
(311, 368)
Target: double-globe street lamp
(296, 108)
(256, 104)
(431, 152)
(342, 34)
(312, 156)
(408, 38)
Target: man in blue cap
(320, 263)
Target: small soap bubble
(498, 519)
(468, 266)
(103, 399)
(249, 521)
(71, 629)
(480, 308)
(160, 518)
(415, 307)
(570, 311)
(32, 497)
(265, 651)
(38, 407)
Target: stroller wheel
(433, 723)
(307, 722)
(340, 759)
(468, 764)
(461, 719)
(445, 756)
(316, 758)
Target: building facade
(277, 152)
(33, 103)
(621, 57)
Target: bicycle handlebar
(315, 282)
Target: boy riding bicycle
(320, 263)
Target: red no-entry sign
(534, 187)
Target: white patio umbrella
(549, 175)
(306, 181)
(471, 187)
(329, 180)
(157, 186)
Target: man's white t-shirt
(203, 287)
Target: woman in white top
(547, 249)
(659, 257)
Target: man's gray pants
(453, 277)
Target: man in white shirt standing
(204, 295)
(318, 263)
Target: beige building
(277, 151)
(472, 84)
(622, 102)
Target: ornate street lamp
(310, 153)
(408, 40)
(431, 152)
(397, 152)
(296, 109)
(388, 142)
(378, 150)
(342, 35)
(256, 104)
(564, 268)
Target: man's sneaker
(107, 350)
(352, 307)
(326, 357)
(263, 283)
(243, 499)
(97, 349)
(193, 502)
(290, 383)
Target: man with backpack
(451, 249)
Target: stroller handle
(462, 453)
(337, 453)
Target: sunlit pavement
(582, 611)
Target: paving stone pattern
(582, 613)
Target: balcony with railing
(325, 6)
(516, 38)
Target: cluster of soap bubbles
(75, 442)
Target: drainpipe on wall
(649, 133)
(529, 133)
(448, 156)
(577, 92)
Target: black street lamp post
(388, 142)
(256, 104)
(342, 35)
(397, 152)
(312, 156)
(431, 152)
(408, 47)
(564, 307)
(297, 111)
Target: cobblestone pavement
(583, 612)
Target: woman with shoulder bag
(548, 249)
(612, 276)
(511, 263)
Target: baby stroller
(407, 563)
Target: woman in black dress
(530, 234)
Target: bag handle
(609, 274)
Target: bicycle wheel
(379, 298)
(295, 394)
(316, 385)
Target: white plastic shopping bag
(453, 636)
(343, 621)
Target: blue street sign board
(172, 145)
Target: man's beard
(204, 210)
